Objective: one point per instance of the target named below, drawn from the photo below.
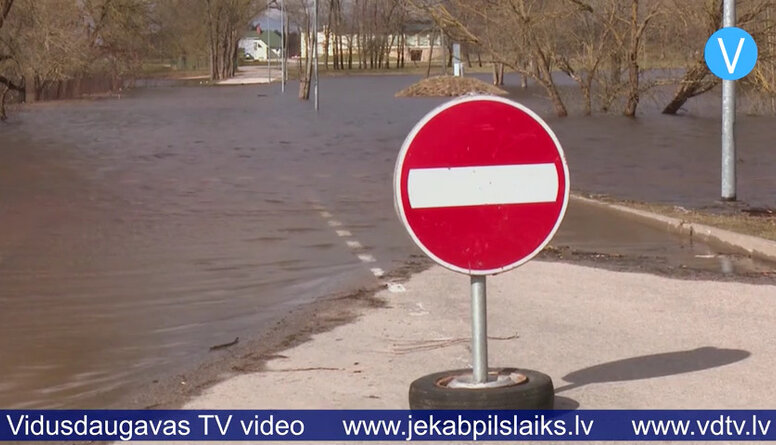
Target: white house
(256, 47)
(417, 41)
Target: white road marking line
(354, 244)
(366, 258)
(482, 185)
(396, 288)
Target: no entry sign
(481, 184)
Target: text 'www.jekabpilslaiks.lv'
(416, 427)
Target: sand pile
(447, 86)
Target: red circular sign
(481, 184)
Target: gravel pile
(449, 86)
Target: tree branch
(582, 5)
(5, 10)
(7, 82)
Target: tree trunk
(430, 53)
(350, 51)
(443, 47)
(633, 62)
(543, 68)
(3, 96)
(339, 53)
(400, 51)
(326, 37)
(498, 74)
(633, 86)
(381, 52)
(29, 88)
(696, 81)
(388, 53)
(587, 92)
(326, 50)
(557, 102)
(304, 83)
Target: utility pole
(729, 118)
(282, 46)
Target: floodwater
(138, 232)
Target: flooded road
(138, 232)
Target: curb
(753, 246)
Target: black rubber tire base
(535, 394)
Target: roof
(275, 39)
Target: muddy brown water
(139, 231)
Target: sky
(269, 20)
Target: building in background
(417, 43)
(261, 45)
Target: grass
(168, 71)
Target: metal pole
(282, 46)
(269, 53)
(729, 118)
(315, 52)
(479, 331)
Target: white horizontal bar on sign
(471, 186)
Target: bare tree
(300, 12)
(695, 22)
(638, 25)
(5, 58)
(181, 36)
(226, 22)
(511, 32)
(589, 39)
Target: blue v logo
(731, 53)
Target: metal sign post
(269, 53)
(282, 46)
(729, 118)
(730, 54)
(479, 330)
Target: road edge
(753, 246)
